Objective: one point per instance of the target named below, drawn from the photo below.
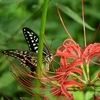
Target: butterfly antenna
(15, 43)
(48, 45)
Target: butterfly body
(29, 58)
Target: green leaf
(89, 95)
(10, 1)
(73, 15)
(25, 98)
(78, 95)
(4, 80)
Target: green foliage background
(16, 14)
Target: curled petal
(66, 84)
(69, 49)
(69, 70)
(65, 92)
(73, 47)
(91, 50)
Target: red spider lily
(67, 51)
(91, 51)
(65, 85)
(70, 49)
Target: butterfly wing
(32, 40)
(25, 57)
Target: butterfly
(29, 57)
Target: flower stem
(95, 78)
(73, 74)
(82, 67)
(41, 40)
(88, 72)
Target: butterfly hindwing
(25, 57)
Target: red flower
(71, 56)
(71, 51)
(91, 51)
(68, 50)
(66, 84)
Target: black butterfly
(29, 58)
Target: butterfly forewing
(32, 40)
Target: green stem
(73, 74)
(82, 67)
(95, 78)
(88, 72)
(41, 40)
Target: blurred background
(16, 14)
